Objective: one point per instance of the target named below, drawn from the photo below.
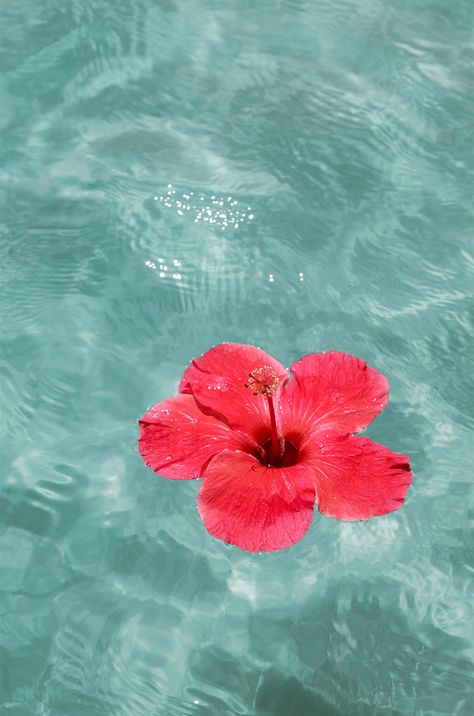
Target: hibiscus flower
(269, 446)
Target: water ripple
(330, 143)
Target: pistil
(264, 381)
(276, 450)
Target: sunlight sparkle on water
(222, 211)
(163, 270)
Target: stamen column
(264, 381)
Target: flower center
(288, 456)
(275, 451)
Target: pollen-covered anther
(263, 381)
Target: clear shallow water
(347, 128)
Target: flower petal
(357, 478)
(177, 440)
(334, 391)
(218, 382)
(255, 507)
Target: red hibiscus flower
(269, 446)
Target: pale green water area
(338, 136)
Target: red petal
(357, 478)
(334, 391)
(177, 440)
(218, 382)
(255, 507)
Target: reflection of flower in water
(219, 211)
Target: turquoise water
(344, 132)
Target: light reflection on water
(342, 133)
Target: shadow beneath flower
(279, 695)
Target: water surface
(345, 130)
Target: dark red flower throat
(274, 451)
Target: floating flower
(269, 446)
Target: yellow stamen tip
(263, 381)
